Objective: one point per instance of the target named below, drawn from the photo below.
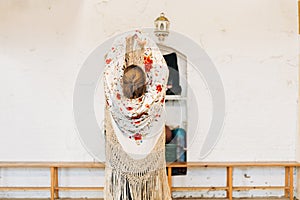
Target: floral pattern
(148, 63)
(141, 117)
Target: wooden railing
(288, 187)
(54, 167)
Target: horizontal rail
(235, 164)
(229, 187)
(80, 188)
(23, 188)
(51, 164)
(198, 188)
(260, 188)
(102, 165)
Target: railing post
(52, 178)
(286, 180)
(229, 182)
(56, 192)
(291, 183)
(170, 178)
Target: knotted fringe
(134, 179)
(150, 186)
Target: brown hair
(134, 82)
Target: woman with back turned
(135, 81)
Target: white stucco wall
(253, 44)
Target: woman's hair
(134, 82)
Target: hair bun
(134, 82)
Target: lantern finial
(162, 25)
